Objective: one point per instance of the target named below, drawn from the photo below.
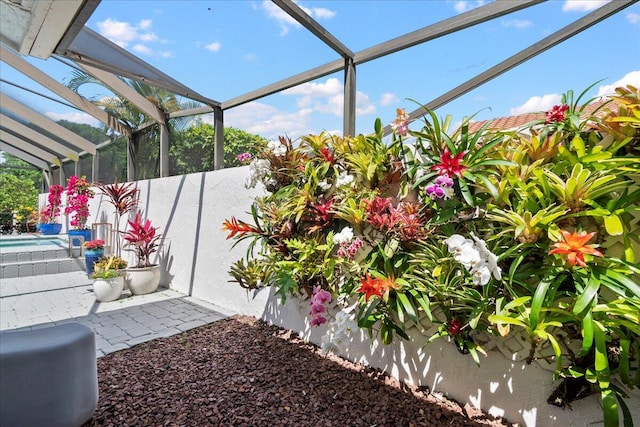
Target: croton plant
(531, 230)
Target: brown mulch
(243, 372)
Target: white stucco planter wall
(196, 256)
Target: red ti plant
(124, 198)
(142, 239)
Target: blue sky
(223, 49)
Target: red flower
(455, 327)
(556, 114)
(449, 165)
(574, 247)
(380, 213)
(238, 227)
(321, 214)
(327, 155)
(375, 286)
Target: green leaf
(587, 296)
(625, 344)
(613, 225)
(587, 334)
(601, 360)
(536, 303)
(609, 408)
(423, 301)
(408, 307)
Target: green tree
(192, 150)
(22, 170)
(16, 193)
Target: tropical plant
(124, 198)
(79, 193)
(94, 244)
(16, 193)
(531, 231)
(142, 239)
(51, 211)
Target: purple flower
(320, 295)
(435, 191)
(444, 181)
(318, 320)
(244, 157)
(318, 309)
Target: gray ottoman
(48, 376)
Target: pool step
(40, 261)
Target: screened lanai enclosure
(142, 148)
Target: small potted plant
(108, 278)
(79, 193)
(142, 238)
(51, 212)
(93, 251)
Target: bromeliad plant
(142, 238)
(531, 231)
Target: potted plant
(51, 212)
(93, 251)
(79, 193)
(142, 238)
(124, 198)
(108, 278)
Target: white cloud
(632, 78)
(74, 117)
(268, 121)
(140, 48)
(327, 98)
(250, 57)
(388, 99)
(286, 22)
(124, 33)
(516, 23)
(464, 5)
(213, 47)
(582, 5)
(632, 18)
(537, 103)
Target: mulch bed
(243, 372)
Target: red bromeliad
(375, 286)
(239, 228)
(575, 247)
(327, 155)
(556, 114)
(450, 165)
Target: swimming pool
(6, 243)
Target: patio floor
(45, 300)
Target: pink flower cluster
(319, 298)
(54, 200)
(243, 157)
(401, 123)
(349, 250)
(78, 195)
(440, 187)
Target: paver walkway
(45, 300)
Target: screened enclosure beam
(524, 55)
(44, 141)
(164, 150)
(92, 49)
(46, 124)
(218, 142)
(349, 116)
(29, 158)
(303, 18)
(307, 76)
(127, 92)
(447, 26)
(59, 89)
(28, 148)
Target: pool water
(20, 243)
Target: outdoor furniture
(48, 376)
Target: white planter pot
(108, 289)
(143, 280)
